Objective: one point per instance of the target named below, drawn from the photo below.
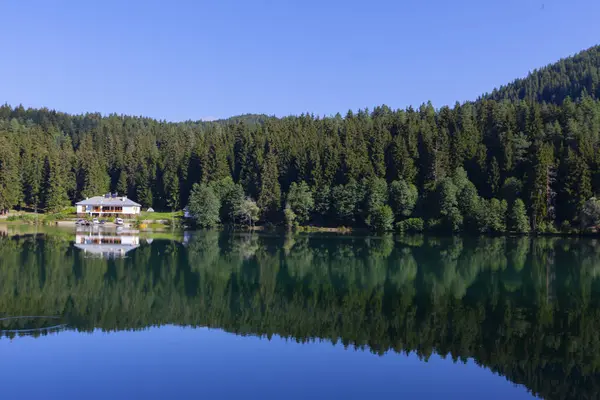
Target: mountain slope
(552, 84)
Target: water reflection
(525, 308)
(33, 325)
(106, 243)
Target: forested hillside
(571, 77)
(523, 158)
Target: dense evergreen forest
(514, 305)
(523, 158)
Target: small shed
(150, 209)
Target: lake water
(122, 315)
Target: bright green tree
(344, 200)
(496, 215)
(449, 212)
(300, 201)
(403, 198)
(376, 196)
(382, 219)
(518, 221)
(204, 206)
(248, 212)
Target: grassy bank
(36, 219)
(159, 216)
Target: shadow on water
(528, 309)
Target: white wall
(131, 210)
(126, 210)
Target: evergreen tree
(575, 181)
(55, 196)
(11, 192)
(270, 191)
(122, 185)
(95, 179)
(494, 177)
(541, 187)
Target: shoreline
(160, 226)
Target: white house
(109, 205)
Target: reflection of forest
(525, 308)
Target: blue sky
(182, 60)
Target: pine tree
(122, 185)
(403, 165)
(576, 186)
(95, 179)
(541, 187)
(494, 177)
(11, 192)
(55, 196)
(32, 166)
(216, 165)
(270, 192)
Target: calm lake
(122, 315)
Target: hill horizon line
(213, 119)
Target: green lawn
(160, 215)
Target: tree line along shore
(523, 158)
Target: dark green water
(298, 316)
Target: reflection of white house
(109, 205)
(106, 244)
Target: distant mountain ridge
(249, 119)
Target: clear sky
(180, 60)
